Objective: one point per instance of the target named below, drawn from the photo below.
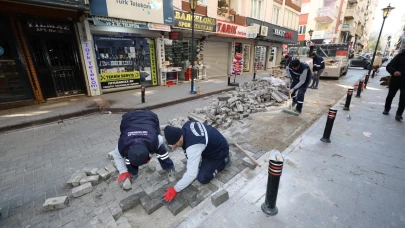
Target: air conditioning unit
(264, 31)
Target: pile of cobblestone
(251, 97)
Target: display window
(125, 61)
(246, 56)
(260, 57)
(13, 80)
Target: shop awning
(67, 4)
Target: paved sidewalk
(119, 101)
(358, 180)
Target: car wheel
(367, 66)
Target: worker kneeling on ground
(301, 75)
(140, 137)
(206, 150)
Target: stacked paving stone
(251, 97)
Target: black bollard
(143, 94)
(348, 99)
(229, 79)
(254, 75)
(372, 75)
(366, 80)
(359, 88)
(275, 168)
(329, 125)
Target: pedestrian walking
(318, 66)
(377, 62)
(300, 74)
(396, 68)
(206, 150)
(140, 137)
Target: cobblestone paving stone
(36, 163)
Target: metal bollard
(143, 94)
(359, 88)
(348, 99)
(254, 75)
(275, 168)
(329, 125)
(366, 80)
(229, 79)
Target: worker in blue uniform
(206, 150)
(301, 75)
(318, 67)
(139, 139)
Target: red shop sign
(230, 29)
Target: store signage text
(184, 19)
(93, 83)
(231, 29)
(120, 79)
(155, 11)
(153, 62)
(279, 32)
(117, 22)
(43, 26)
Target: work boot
(297, 111)
(399, 118)
(172, 175)
(386, 112)
(314, 87)
(228, 161)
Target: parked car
(360, 61)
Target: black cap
(138, 154)
(172, 134)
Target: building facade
(337, 21)
(40, 58)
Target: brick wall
(240, 20)
(185, 6)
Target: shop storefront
(269, 43)
(220, 51)
(40, 58)
(178, 50)
(14, 84)
(124, 43)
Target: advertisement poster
(237, 65)
(120, 79)
(203, 23)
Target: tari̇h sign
(155, 11)
(231, 29)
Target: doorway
(55, 56)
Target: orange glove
(124, 176)
(170, 194)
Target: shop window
(124, 61)
(10, 80)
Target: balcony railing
(350, 13)
(348, 28)
(352, 1)
(325, 15)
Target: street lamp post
(311, 48)
(386, 12)
(193, 6)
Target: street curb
(162, 105)
(61, 117)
